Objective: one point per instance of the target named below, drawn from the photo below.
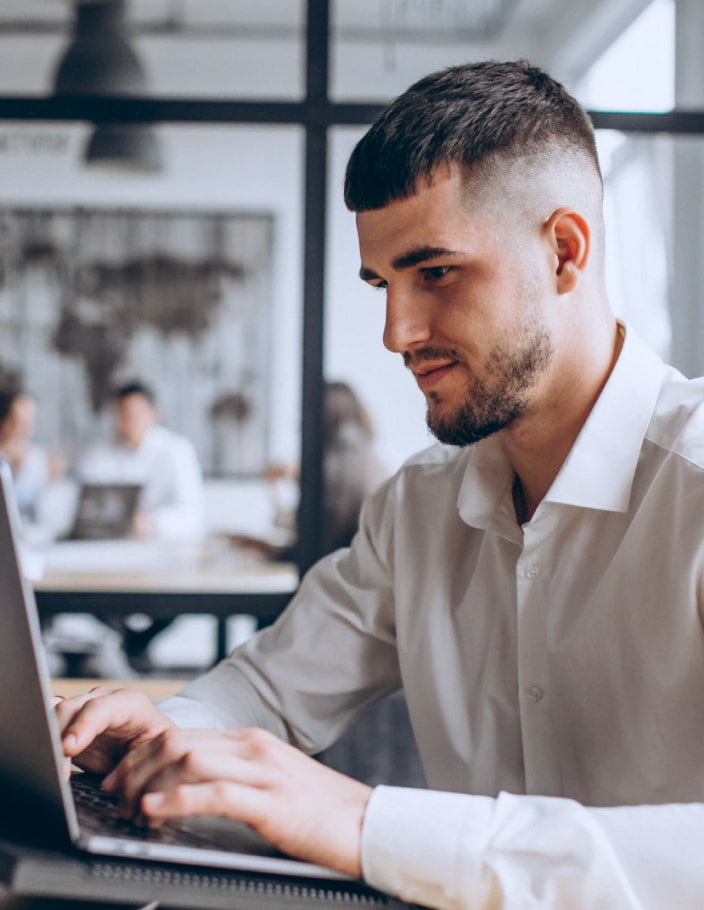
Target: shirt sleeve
(460, 852)
(180, 516)
(291, 678)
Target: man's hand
(304, 808)
(98, 728)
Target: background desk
(117, 578)
(152, 688)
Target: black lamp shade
(100, 61)
(127, 146)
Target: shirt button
(533, 571)
(535, 693)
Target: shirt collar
(599, 469)
(485, 493)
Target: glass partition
(189, 278)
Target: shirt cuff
(426, 846)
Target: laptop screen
(30, 753)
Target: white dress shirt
(552, 670)
(166, 464)
(31, 479)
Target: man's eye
(436, 272)
(380, 287)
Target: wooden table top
(152, 688)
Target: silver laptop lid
(105, 511)
(30, 751)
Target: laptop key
(98, 813)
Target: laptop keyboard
(98, 813)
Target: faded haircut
(478, 116)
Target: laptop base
(30, 872)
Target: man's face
(465, 287)
(135, 415)
(20, 422)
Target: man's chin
(443, 426)
(456, 430)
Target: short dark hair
(8, 396)
(135, 387)
(470, 115)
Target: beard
(491, 404)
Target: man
(536, 590)
(150, 454)
(171, 499)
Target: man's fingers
(125, 713)
(178, 756)
(220, 797)
(253, 777)
(82, 719)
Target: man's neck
(538, 443)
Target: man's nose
(407, 321)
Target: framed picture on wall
(91, 298)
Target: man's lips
(428, 375)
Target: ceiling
(566, 37)
(373, 19)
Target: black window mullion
(312, 504)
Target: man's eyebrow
(413, 257)
(409, 259)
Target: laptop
(33, 788)
(105, 511)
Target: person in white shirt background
(170, 506)
(33, 467)
(535, 584)
(165, 463)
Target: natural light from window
(637, 73)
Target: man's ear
(568, 234)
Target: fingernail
(70, 740)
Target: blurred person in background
(171, 500)
(163, 462)
(33, 467)
(351, 469)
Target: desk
(152, 688)
(117, 578)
